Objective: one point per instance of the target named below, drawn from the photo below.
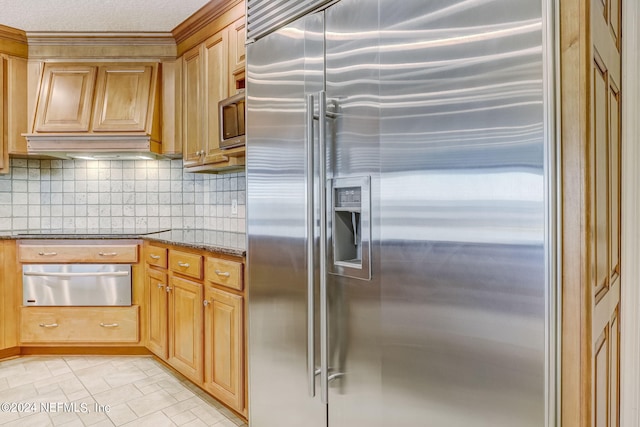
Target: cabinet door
(157, 312)
(224, 362)
(237, 56)
(192, 107)
(185, 327)
(122, 98)
(64, 104)
(217, 89)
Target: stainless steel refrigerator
(400, 213)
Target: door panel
(285, 66)
(463, 239)
(64, 103)
(185, 328)
(605, 185)
(192, 93)
(352, 80)
(216, 87)
(157, 309)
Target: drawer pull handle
(152, 256)
(109, 325)
(183, 264)
(222, 273)
(48, 325)
(47, 253)
(160, 285)
(107, 253)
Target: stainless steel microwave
(232, 122)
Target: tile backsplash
(54, 194)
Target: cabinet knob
(205, 303)
(168, 288)
(160, 285)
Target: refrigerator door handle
(324, 333)
(311, 350)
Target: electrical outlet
(234, 206)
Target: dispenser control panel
(350, 228)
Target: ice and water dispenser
(350, 227)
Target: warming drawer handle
(152, 256)
(223, 273)
(107, 253)
(47, 253)
(48, 325)
(109, 325)
(183, 264)
(112, 273)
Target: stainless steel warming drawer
(76, 284)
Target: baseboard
(9, 352)
(84, 351)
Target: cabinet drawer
(79, 325)
(225, 273)
(186, 263)
(156, 256)
(79, 253)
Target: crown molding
(58, 45)
(203, 17)
(13, 41)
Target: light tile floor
(139, 391)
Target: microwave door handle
(96, 274)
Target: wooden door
(224, 374)
(216, 88)
(64, 103)
(192, 107)
(605, 182)
(157, 312)
(122, 98)
(591, 93)
(185, 327)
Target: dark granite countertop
(223, 242)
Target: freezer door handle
(311, 350)
(324, 333)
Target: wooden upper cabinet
(122, 98)
(192, 127)
(217, 89)
(237, 55)
(212, 71)
(64, 104)
(99, 98)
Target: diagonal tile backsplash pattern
(54, 194)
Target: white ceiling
(97, 15)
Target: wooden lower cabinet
(196, 323)
(79, 325)
(157, 310)
(223, 344)
(185, 327)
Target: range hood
(94, 147)
(97, 111)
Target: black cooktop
(89, 232)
